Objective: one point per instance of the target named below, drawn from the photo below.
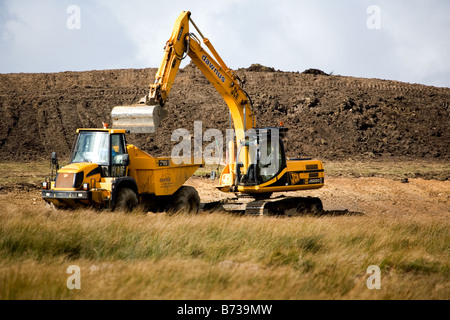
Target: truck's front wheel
(126, 201)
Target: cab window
(92, 147)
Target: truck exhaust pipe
(138, 118)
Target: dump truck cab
(106, 172)
(106, 148)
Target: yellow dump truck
(106, 172)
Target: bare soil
(367, 196)
(329, 116)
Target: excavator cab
(263, 152)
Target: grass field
(219, 256)
(215, 255)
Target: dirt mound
(256, 67)
(316, 72)
(329, 117)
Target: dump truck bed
(158, 176)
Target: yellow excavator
(257, 166)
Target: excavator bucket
(138, 118)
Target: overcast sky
(405, 40)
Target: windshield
(92, 147)
(270, 159)
(264, 159)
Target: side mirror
(125, 159)
(55, 164)
(54, 158)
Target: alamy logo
(374, 280)
(260, 145)
(73, 22)
(74, 280)
(374, 20)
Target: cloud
(35, 38)
(420, 48)
(294, 35)
(149, 23)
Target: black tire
(186, 200)
(126, 200)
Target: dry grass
(27, 173)
(220, 256)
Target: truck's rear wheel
(186, 200)
(126, 201)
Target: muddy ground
(329, 116)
